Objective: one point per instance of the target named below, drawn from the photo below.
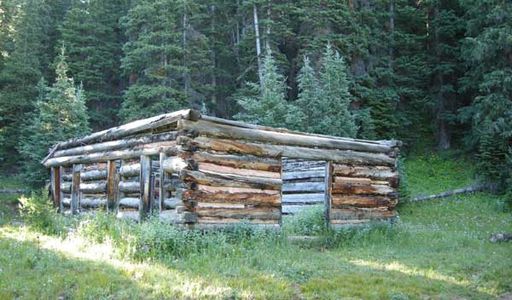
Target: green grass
(438, 250)
(434, 173)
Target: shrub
(155, 239)
(38, 212)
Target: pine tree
(309, 96)
(335, 117)
(268, 105)
(487, 52)
(60, 114)
(152, 60)
(20, 74)
(446, 29)
(94, 39)
(164, 71)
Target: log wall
(207, 172)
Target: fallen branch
(13, 191)
(468, 189)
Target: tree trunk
(391, 32)
(258, 43)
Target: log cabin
(201, 171)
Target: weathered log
(55, 185)
(14, 191)
(361, 213)
(131, 128)
(66, 201)
(229, 180)
(292, 139)
(212, 168)
(359, 181)
(75, 189)
(129, 202)
(328, 191)
(233, 190)
(174, 164)
(373, 189)
(303, 187)
(390, 143)
(220, 205)
(239, 161)
(129, 170)
(295, 165)
(88, 175)
(372, 172)
(66, 187)
(231, 146)
(469, 189)
(352, 180)
(147, 149)
(320, 173)
(260, 199)
(86, 202)
(93, 187)
(303, 198)
(162, 191)
(240, 213)
(216, 222)
(145, 186)
(343, 201)
(117, 144)
(113, 179)
(172, 203)
(129, 186)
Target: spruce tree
(334, 115)
(487, 52)
(60, 114)
(268, 106)
(309, 96)
(165, 58)
(19, 75)
(93, 38)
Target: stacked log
(129, 190)
(362, 193)
(224, 189)
(303, 184)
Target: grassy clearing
(439, 250)
(434, 173)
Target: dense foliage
(435, 74)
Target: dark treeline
(432, 73)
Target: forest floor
(439, 249)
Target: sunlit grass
(439, 249)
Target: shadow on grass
(311, 274)
(32, 269)
(28, 270)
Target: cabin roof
(170, 120)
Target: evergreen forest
(435, 74)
